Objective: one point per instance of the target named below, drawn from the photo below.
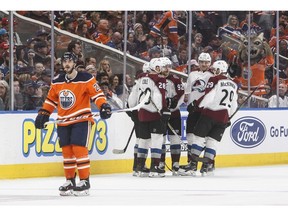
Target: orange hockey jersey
(168, 24)
(72, 98)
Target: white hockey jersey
(220, 98)
(196, 84)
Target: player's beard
(68, 70)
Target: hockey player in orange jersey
(70, 94)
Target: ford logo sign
(248, 132)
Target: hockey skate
(82, 188)
(175, 169)
(156, 172)
(207, 169)
(188, 170)
(143, 172)
(67, 188)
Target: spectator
(131, 45)
(32, 101)
(104, 66)
(102, 77)
(4, 95)
(41, 51)
(283, 99)
(91, 61)
(102, 33)
(116, 41)
(92, 70)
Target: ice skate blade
(156, 175)
(204, 174)
(182, 172)
(82, 193)
(66, 193)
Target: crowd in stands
(150, 34)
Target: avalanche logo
(248, 132)
(67, 99)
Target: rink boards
(255, 137)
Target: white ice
(245, 186)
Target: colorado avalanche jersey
(196, 84)
(220, 99)
(175, 89)
(157, 86)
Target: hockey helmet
(166, 62)
(204, 57)
(220, 67)
(70, 56)
(145, 67)
(156, 65)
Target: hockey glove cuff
(42, 118)
(165, 115)
(105, 111)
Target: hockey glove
(171, 103)
(105, 111)
(192, 107)
(42, 118)
(165, 115)
(228, 124)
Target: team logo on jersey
(199, 85)
(248, 132)
(67, 99)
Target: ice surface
(239, 187)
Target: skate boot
(156, 172)
(143, 172)
(207, 169)
(189, 169)
(162, 165)
(82, 188)
(175, 169)
(67, 188)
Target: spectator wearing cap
(4, 37)
(68, 25)
(154, 52)
(31, 100)
(91, 69)
(4, 95)
(41, 51)
(42, 34)
(16, 38)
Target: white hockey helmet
(166, 62)
(156, 65)
(220, 67)
(204, 57)
(145, 67)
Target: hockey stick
(122, 151)
(137, 107)
(249, 96)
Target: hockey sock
(82, 160)
(69, 162)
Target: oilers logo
(248, 132)
(67, 99)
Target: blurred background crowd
(149, 34)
